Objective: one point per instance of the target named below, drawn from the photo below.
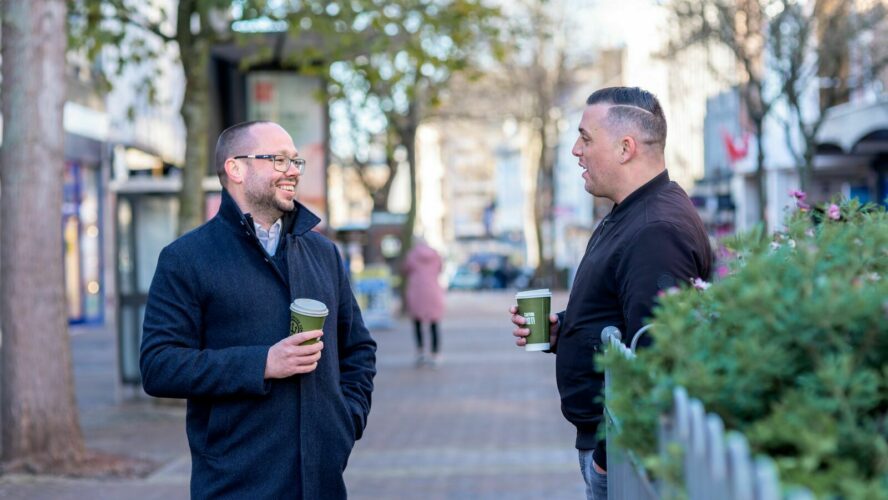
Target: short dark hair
(232, 141)
(636, 107)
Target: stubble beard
(588, 184)
(265, 201)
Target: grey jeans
(596, 484)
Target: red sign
(263, 91)
(736, 150)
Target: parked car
(489, 271)
(466, 277)
(521, 280)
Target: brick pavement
(485, 424)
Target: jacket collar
(620, 210)
(298, 222)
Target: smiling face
(598, 152)
(267, 193)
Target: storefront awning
(845, 125)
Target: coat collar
(662, 179)
(298, 222)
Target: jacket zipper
(600, 235)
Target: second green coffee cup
(535, 305)
(305, 315)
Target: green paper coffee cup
(305, 315)
(534, 305)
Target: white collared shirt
(269, 239)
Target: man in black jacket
(652, 239)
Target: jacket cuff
(256, 357)
(554, 349)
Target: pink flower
(800, 199)
(700, 284)
(834, 212)
(799, 195)
(722, 271)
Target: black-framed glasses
(281, 163)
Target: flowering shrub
(790, 348)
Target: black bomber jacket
(650, 242)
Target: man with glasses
(268, 417)
(653, 239)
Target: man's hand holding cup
(536, 328)
(289, 357)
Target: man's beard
(266, 201)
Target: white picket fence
(717, 465)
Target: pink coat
(424, 295)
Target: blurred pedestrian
(424, 297)
(267, 416)
(653, 239)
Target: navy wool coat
(217, 303)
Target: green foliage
(390, 50)
(791, 349)
(389, 59)
(119, 34)
(386, 63)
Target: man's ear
(628, 149)
(234, 171)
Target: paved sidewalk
(486, 424)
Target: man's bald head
(233, 141)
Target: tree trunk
(761, 176)
(381, 196)
(807, 173)
(408, 136)
(195, 54)
(195, 112)
(39, 414)
(543, 213)
(408, 139)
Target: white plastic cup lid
(533, 294)
(309, 307)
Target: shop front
(83, 230)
